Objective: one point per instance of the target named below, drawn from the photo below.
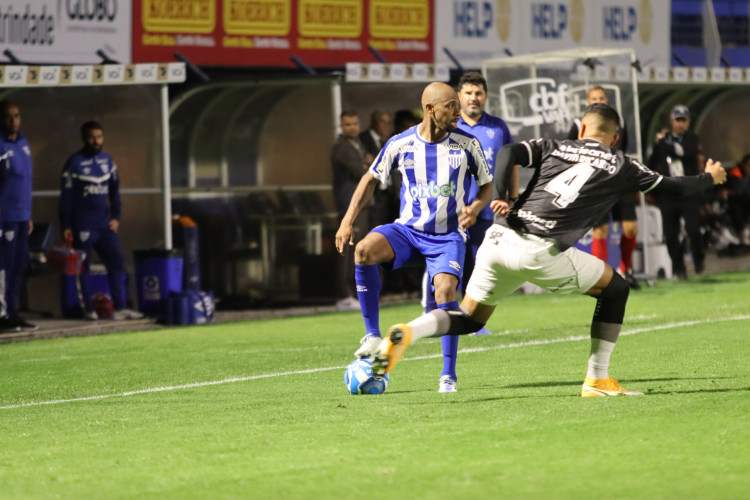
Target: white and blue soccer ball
(359, 379)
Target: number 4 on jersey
(567, 184)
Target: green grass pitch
(258, 409)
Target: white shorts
(507, 259)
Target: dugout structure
(542, 95)
(251, 165)
(131, 102)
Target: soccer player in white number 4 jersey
(574, 183)
(436, 163)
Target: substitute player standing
(90, 211)
(574, 182)
(492, 134)
(15, 200)
(436, 163)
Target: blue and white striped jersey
(436, 177)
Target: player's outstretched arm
(718, 172)
(683, 186)
(363, 193)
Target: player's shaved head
(602, 118)
(441, 111)
(437, 92)
(600, 122)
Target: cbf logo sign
(546, 103)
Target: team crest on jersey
(86, 171)
(27, 150)
(84, 235)
(105, 168)
(490, 133)
(455, 157)
(455, 266)
(10, 235)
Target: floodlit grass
(517, 428)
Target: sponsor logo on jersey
(454, 146)
(95, 189)
(455, 266)
(455, 157)
(408, 163)
(528, 216)
(433, 190)
(380, 168)
(361, 288)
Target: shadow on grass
(624, 381)
(698, 391)
(575, 383)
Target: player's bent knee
(363, 253)
(610, 307)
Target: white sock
(601, 350)
(426, 325)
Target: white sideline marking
(232, 380)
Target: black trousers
(689, 210)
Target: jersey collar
(416, 132)
(481, 120)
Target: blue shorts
(443, 253)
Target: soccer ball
(358, 378)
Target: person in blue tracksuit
(15, 203)
(90, 211)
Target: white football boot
(369, 344)
(447, 384)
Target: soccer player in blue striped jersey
(437, 163)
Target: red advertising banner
(269, 32)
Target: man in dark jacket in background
(677, 153)
(349, 161)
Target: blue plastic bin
(157, 273)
